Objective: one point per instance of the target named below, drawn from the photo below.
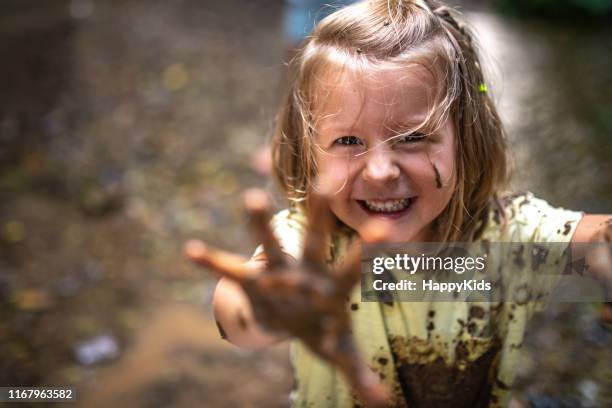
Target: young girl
(388, 135)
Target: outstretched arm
(590, 225)
(597, 229)
(263, 301)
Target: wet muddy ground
(128, 126)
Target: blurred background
(128, 126)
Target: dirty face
(375, 157)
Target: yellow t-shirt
(433, 354)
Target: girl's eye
(410, 138)
(348, 141)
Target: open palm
(303, 299)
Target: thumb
(369, 389)
(364, 382)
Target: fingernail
(376, 231)
(256, 199)
(194, 248)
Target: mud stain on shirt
(428, 380)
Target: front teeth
(387, 206)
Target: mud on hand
(303, 299)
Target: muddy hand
(303, 299)
(600, 264)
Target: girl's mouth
(387, 208)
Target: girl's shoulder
(289, 226)
(290, 218)
(522, 217)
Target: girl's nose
(380, 167)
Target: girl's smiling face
(376, 158)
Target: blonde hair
(378, 32)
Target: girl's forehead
(397, 93)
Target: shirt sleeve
(288, 227)
(534, 220)
(536, 238)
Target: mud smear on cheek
(437, 175)
(438, 178)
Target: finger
(363, 381)
(369, 389)
(258, 206)
(319, 225)
(223, 263)
(376, 231)
(348, 274)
